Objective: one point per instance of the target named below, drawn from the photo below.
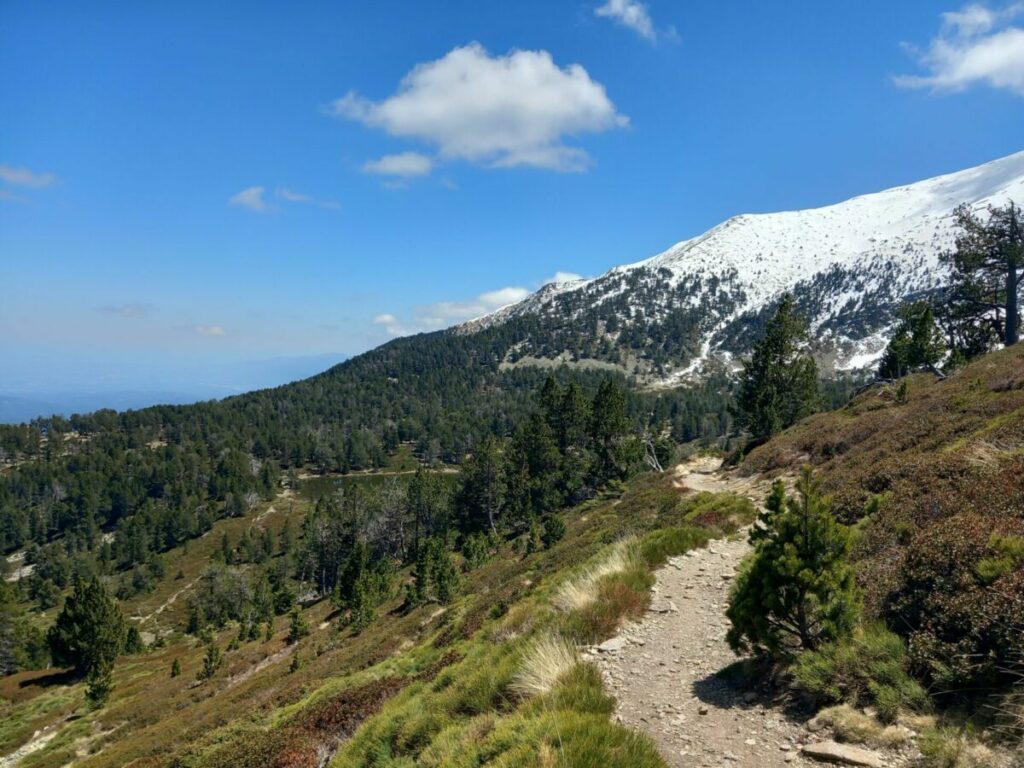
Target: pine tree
(427, 500)
(133, 641)
(798, 590)
(608, 425)
(482, 491)
(987, 268)
(446, 577)
(917, 342)
(89, 632)
(779, 384)
(175, 668)
(435, 575)
(298, 627)
(212, 661)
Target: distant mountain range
(701, 303)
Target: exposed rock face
(843, 754)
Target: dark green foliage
(797, 591)
(476, 549)
(230, 593)
(22, 644)
(608, 425)
(363, 586)
(296, 664)
(435, 576)
(987, 267)
(916, 344)
(659, 546)
(868, 668)
(133, 640)
(213, 660)
(481, 495)
(554, 530)
(175, 668)
(89, 632)
(298, 626)
(429, 507)
(779, 384)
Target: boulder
(842, 754)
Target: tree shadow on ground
(749, 683)
(51, 678)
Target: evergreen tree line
(977, 311)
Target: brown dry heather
(436, 668)
(931, 483)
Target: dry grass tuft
(858, 727)
(547, 661)
(585, 588)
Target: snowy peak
(849, 265)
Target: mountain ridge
(849, 264)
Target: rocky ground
(664, 670)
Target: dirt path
(663, 670)
(166, 603)
(39, 740)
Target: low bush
(868, 668)
(953, 748)
(659, 546)
(963, 619)
(619, 596)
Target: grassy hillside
(931, 473)
(489, 677)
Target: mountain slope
(703, 300)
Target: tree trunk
(1013, 258)
(1012, 333)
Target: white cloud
(134, 310)
(404, 164)
(498, 111)
(24, 177)
(210, 330)
(630, 13)
(443, 314)
(563, 277)
(291, 196)
(975, 46)
(251, 198)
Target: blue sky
(186, 182)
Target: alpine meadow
(755, 500)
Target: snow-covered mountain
(704, 300)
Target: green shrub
(554, 530)
(298, 627)
(867, 668)
(475, 551)
(797, 590)
(659, 546)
